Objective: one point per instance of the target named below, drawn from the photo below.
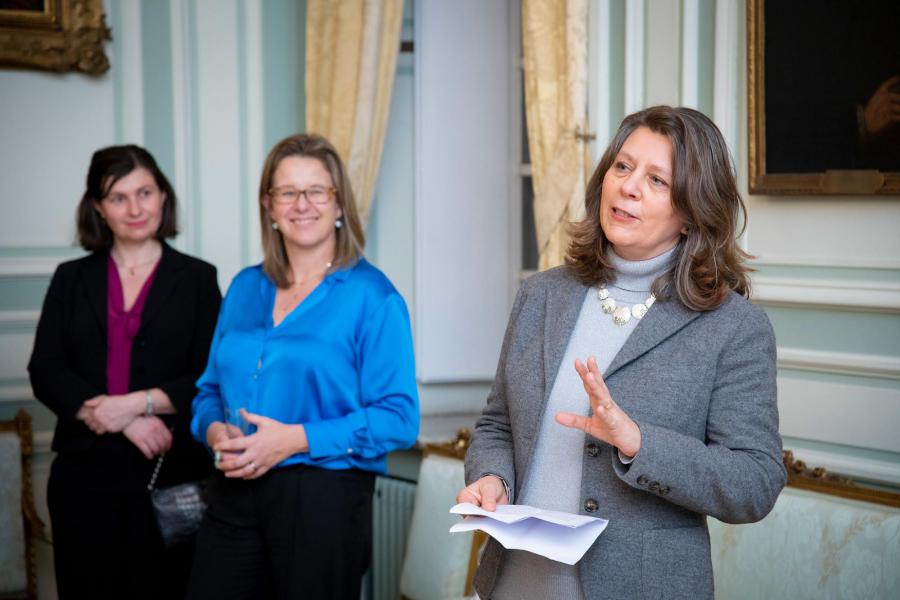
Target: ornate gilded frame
(68, 35)
(763, 182)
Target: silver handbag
(178, 509)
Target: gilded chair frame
(33, 526)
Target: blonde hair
(350, 238)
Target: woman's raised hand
(487, 493)
(607, 422)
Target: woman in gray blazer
(636, 382)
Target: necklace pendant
(621, 316)
(638, 311)
(608, 306)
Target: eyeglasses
(317, 195)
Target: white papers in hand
(559, 536)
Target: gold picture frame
(765, 176)
(54, 35)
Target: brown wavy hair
(350, 238)
(109, 165)
(708, 262)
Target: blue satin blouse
(341, 363)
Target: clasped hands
(607, 422)
(124, 413)
(250, 456)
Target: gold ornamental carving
(56, 35)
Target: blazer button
(654, 486)
(590, 505)
(643, 480)
(592, 450)
(663, 490)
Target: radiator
(392, 509)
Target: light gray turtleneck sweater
(554, 481)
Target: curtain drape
(351, 57)
(554, 39)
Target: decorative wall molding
(859, 468)
(727, 97)
(33, 266)
(841, 363)
(42, 441)
(600, 78)
(865, 296)
(843, 261)
(862, 416)
(19, 317)
(635, 55)
(131, 101)
(690, 53)
(254, 111)
(17, 394)
(182, 125)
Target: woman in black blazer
(124, 334)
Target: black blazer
(68, 364)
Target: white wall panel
(14, 355)
(852, 415)
(463, 78)
(50, 127)
(635, 55)
(132, 73)
(663, 67)
(218, 140)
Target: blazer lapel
(95, 286)
(562, 308)
(164, 284)
(661, 321)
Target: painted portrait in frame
(54, 35)
(824, 96)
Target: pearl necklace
(622, 314)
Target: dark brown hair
(708, 262)
(350, 238)
(109, 165)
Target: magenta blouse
(121, 328)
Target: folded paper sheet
(560, 536)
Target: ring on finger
(607, 406)
(217, 458)
(251, 465)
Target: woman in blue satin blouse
(310, 383)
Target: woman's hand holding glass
(248, 456)
(608, 422)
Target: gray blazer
(701, 387)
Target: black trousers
(105, 540)
(296, 532)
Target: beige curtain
(351, 56)
(554, 39)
